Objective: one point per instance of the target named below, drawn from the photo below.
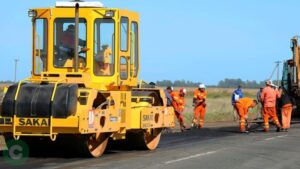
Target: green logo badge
(17, 152)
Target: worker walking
(199, 102)
(286, 106)
(242, 106)
(178, 103)
(268, 97)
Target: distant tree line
(177, 83)
(232, 83)
(5, 81)
(226, 83)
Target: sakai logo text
(33, 122)
(147, 117)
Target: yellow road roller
(84, 82)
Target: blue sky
(197, 40)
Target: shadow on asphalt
(48, 149)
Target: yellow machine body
(109, 97)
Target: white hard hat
(170, 88)
(273, 85)
(269, 82)
(202, 86)
(183, 90)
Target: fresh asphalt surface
(208, 148)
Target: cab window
(124, 33)
(64, 42)
(40, 46)
(134, 52)
(123, 68)
(104, 59)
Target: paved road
(209, 148)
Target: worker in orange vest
(242, 106)
(178, 103)
(199, 102)
(268, 98)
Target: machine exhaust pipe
(76, 57)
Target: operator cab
(290, 68)
(106, 50)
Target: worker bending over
(268, 98)
(199, 102)
(242, 106)
(178, 103)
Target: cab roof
(95, 4)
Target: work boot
(284, 129)
(279, 129)
(245, 132)
(182, 127)
(266, 130)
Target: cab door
(124, 49)
(134, 49)
(128, 52)
(40, 43)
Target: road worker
(168, 92)
(199, 102)
(178, 103)
(242, 106)
(260, 104)
(268, 97)
(102, 62)
(68, 38)
(67, 48)
(286, 106)
(236, 95)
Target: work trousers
(286, 113)
(270, 112)
(179, 117)
(199, 111)
(242, 112)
